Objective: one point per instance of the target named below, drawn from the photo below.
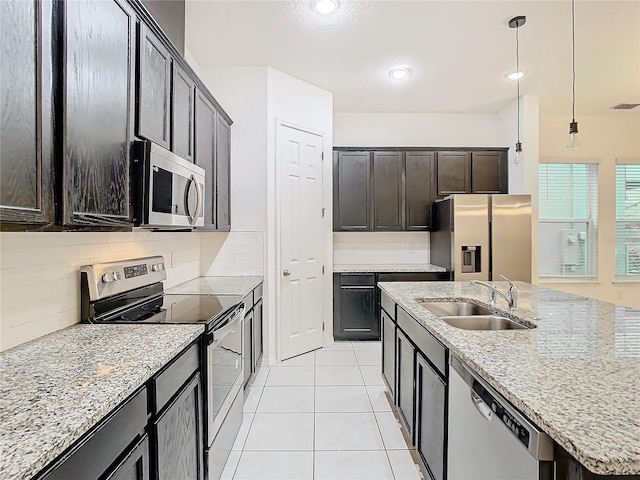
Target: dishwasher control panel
(518, 430)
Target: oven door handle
(193, 218)
(218, 334)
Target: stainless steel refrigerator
(480, 237)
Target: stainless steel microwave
(168, 191)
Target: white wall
(40, 279)
(604, 139)
(255, 97)
(415, 129)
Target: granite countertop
(576, 375)
(217, 286)
(55, 388)
(426, 267)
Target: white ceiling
(458, 51)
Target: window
(568, 219)
(627, 219)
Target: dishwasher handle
(483, 408)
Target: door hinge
(323, 210)
(323, 269)
(322, 156)
(323, 326)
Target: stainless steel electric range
(131, 291)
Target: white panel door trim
(279, 308)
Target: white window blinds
(568, 219)
(627, 219)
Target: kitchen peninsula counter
(56, 388)
(576, 374)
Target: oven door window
(225, 370)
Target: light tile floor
(322, 415)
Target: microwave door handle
(193, 218)
(198, 200)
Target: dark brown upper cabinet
(388, 191)
(205, 141)
(419, 189)
(154, 88)
(453, 173)
(26, 174)
(97, 114)
(489, 172)
(182, 117)
(352, 191)
(222, 199)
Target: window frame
(631, 277)
(595, 236)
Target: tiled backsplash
(235, 253)
(367, 248)
(40, 280)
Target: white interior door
(300, 163)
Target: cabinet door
(405, 377)
(97, 115)
(389, 352)
(135, 465)
(182, 107)
(247, 332)
(257, 334)
(223, 174)
(351, 191)
(154, 89)
(419, 190)
(489, 172)
(453, 173)
(205, 155)
(178, 436)
(26, 188)
(354, 307)
(431, 396)
(388, 191)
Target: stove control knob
(108, 277)
(156, 267)
(117, 276)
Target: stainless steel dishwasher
(489, 439)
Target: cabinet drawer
(357, 280)
(388, 305)
(93, 454)
(435, 352)
(257, 294)
(169, 381)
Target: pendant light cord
(518, 72)
(573, 60)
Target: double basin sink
(470, 316)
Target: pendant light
(573, 141)
(517, 22)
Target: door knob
(286, 273)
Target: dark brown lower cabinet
(354, 306)
(135, 465)
(246, 349)
(389, 352)
(257, 347)
(431, 418)
(178, 446)
(405, 356)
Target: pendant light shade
(573, 141)
(517, 22)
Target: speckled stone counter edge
(401, 268)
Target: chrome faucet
(511, 297)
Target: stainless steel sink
(455, 309)
(482, 322)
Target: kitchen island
(575, 375)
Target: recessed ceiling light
(516, 75)
(325, 7)
(399, 73)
